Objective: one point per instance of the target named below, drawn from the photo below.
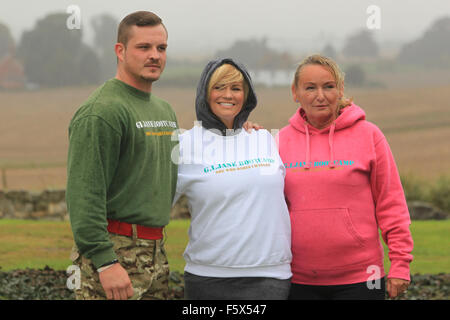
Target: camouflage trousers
(144, 260)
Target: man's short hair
(140, 19)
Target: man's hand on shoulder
(248, 126)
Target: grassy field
(35, 244)
(33, 127)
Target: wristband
(107, 265)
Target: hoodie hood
(205, 115)
(348, 116)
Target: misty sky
(203, 26)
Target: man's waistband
(128, 229)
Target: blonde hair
(336, 72)
(226, 74)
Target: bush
(436, 193)
(440, 193)
(414, 188)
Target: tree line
(53, 55)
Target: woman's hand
(396, 287)
(248, 126)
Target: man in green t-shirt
(121, 180)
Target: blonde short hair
(337, 73)
(224, 75)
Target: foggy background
(399, 75)
(203, 26)
(38, 48)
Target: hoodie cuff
(103, 257)
(399, 270)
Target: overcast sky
(203, 26)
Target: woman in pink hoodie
(341, 186)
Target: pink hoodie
(341, 185)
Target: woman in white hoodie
(239, 237)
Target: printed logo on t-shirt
(300, 166)
(213, 153)
(239, 165)
(157, 124)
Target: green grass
(35, 244)
(431, 246)
(176, 241)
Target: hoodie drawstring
(330, 143)
(308, 157)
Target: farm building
(12, 75)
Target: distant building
(272, 78)
(12, 75)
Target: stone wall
(20, 204)
(51, 205)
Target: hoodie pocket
(325, 239)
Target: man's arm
(94, 148)
(94, 151)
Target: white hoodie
(240, 224)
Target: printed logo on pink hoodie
(341, 187)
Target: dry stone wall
(22, 204)
(51, 205)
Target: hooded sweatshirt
(234, 185)
(341, 186)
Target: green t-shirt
(119, 165)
